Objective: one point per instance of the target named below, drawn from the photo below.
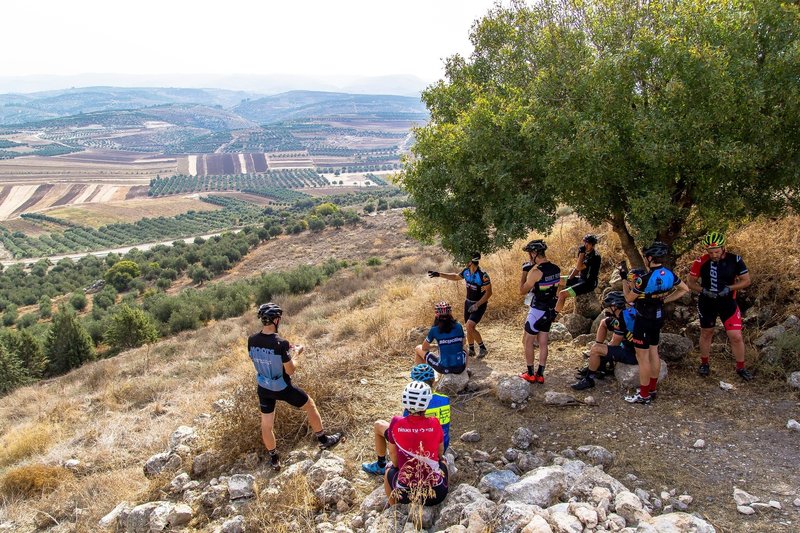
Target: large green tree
(67, 345)
(661, 118)
(130, 327)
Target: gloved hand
(622, 268)
(472, 308)
(527, 266)
(582, 250)
(725, 291)
(709, 294)
(433, 274)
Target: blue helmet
(422, 372)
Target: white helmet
(416, 396)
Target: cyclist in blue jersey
(479, 290)
(620, 349)
(649, 293)
(439, 407)
(449, 337)
(271, 355)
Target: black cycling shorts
(539, 320)
(578, 286)
(646, 332)
(433, 361)
(402, 495)
(620, 354)
(294, 396)
(477, 315)
(725, 308)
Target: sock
(472, 348)
(653, 384)
(482, 347)
(530, 370)
(644, 391)
(739, 365)
(381, 460)
(273, 455)
(704, 360)
(540, 370)
(321, 437)
(273, 452)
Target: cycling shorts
(620, 354)
(646, 332)
(578, 286)
(433, 360)
(477, 315)
(539, 320)
(725, 308)
(401, 492)
(294, 396)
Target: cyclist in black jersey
(479, 290)
(583, 278)
(716, 276)
(271, 356)
(541, 277)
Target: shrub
(121, 274)
(78, 301)
(12, 373)
(27, 349)
(163, 283)
(10, 316)
(33, 480)
(23, 442)
(105, 298)
(45, 307)
(27, 320)
(374, 261)
(68, 345)
(315, 223)
(270, 286)
(130, 327)
(781, 358)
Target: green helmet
(714, 239)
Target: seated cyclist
(418, 471)
(583, 278)
(620, 349)
(439, 408)
(449, 337)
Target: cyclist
(620, 349)
(271, 355)
(583, 278)
(717, 275)
(479, 290)
(449, 337)
(439, 408)
(648, 293)
(541, 277)
(416, 447)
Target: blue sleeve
(431, 334)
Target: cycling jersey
(651, 289)
(417, 439)
(545, 291)
(451, 345)
(716, 275)
(592, 262)
(623, 326)
(268, 353)
(440, 409)
(476, 283)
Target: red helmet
(443, 308)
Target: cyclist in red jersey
(716, 276)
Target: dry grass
(289, 510)
(99, 214)
(25, 441)
(33, 480)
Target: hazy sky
(311, 37)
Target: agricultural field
(286, 179)
(101, 214)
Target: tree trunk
(626, 240)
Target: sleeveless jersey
(545, 291)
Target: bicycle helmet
(590, 238)
(536, 245)
(269, 312)
(422, 372)
(714, 239)
(475, 257)
(417, 396)
(443, 308)
(656, 250)
(615, 299)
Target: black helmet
(475, 257)
(657, 250)
(590, 238)
(270, 311)
(536, 245)
(615, 299)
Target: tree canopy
(661, 118)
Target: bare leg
(314, 420)
(655, 362)
(643, 358)
(562, 298)
(388, 488)
(543, 348)
(597, 351)
(737, 345)
(706, 336)
(380, 439)
(419, 355)
(472, 333)
(530, 348)
(267, 435)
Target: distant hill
(296, 105)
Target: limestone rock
(115, 516)
(523, 438)
(596, 324)
(178, 482)
(162, 462)
(328, 466)
(674, 348)
(541, 487)
(335, 490)
(559, 332)
(587, 305)
(577, 324)
(537, 525)
(512, 517)
(202, 463)
(471, 436)
(770, 336)
(629, 507)
(628, 375)
(185, 435)
(743, 498)
(375, 501)
(793, 425)
(233, 525)
(590, 480)
(560, 399)
(180, 515)
(562, 522)
(615, 282)
(495, 482)
(597, 455)
(679, 523)
(745, 509)
(241, 486)
(460, 503)
(513, 389)
(585, 513)
(139, 517)
(452, 384)
(528, 461)
(794, 380)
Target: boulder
(585, 513)
(565, 523)
(674, 348)
(375, 501)
(495, 482)
(541, 487)
(679, 523)
(327, 466)
(162, 462)
(512, 517)
(577, 324)
(335, 490)
(241, 486)
(513, 389)
(590, 483)
(185, 435)
(559, 332)
(179, 515)
(460, 503)
(452, 384)
(522, 438)
(596, 324)
(117, 518)
(628, 375)
(582, 341)
(597, 455)
(770, 336)
(233, 525)
(794, 380)
(743, 498)
(139, 518)
(560, 399)
(202, 463)
(629, 507)
(537, 525)
(471, 436)
(587, 305)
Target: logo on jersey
(639, 282)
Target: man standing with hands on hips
(479, 290)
